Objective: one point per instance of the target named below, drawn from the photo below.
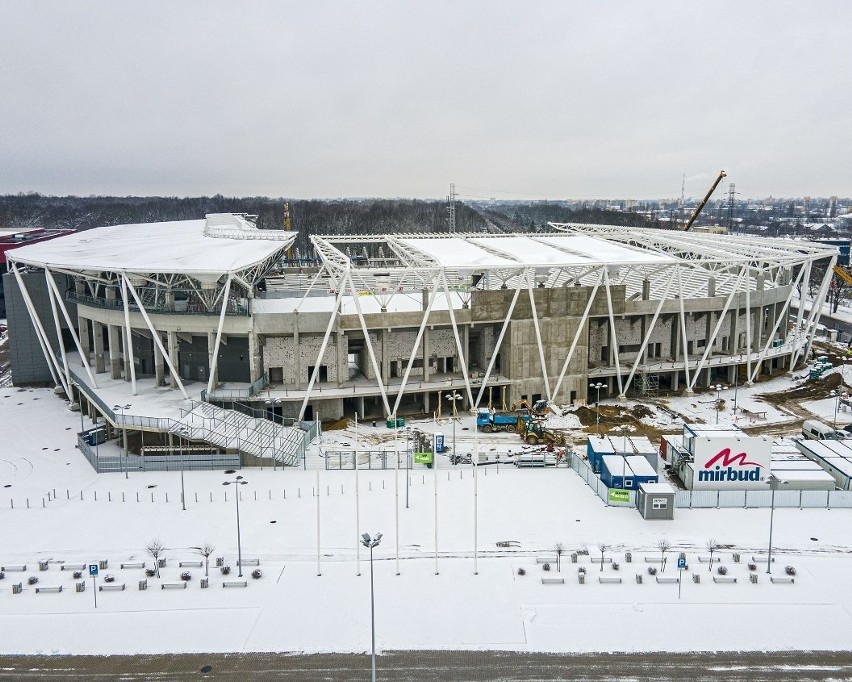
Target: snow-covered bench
(667, 579)
(173, 586)
(605, 579)
(553, 581)
(190, 564)
(773, 579)
(235, 583)
(133, 564)
(723, 579)
(111, 587)
(48, 588)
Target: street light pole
(773, 482)
(453, 397)
(718, 388)
(122, 408)
(598, 386)
(407, 462)
(369, 542)
(182, 432)
(237, 482)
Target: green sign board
(616, 495)
(423, 457)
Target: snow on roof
(169, 247)
(398, 303)
(640, 466)
(656, 488)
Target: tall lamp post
(237, 482)
(369, 542)
(718, 388)
(407, 462)
(773, 481)
(182, 433)
(122, 408)
(453, 397)
(598, 386)
(836, 395)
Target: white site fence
(707, 499)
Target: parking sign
(93, 570)
(681, 563)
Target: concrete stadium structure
(214, 313)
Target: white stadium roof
(222, 243)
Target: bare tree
(603, 547)
(154, 549)
(559, 548)
(664, 546)
(712, 546)
(206, 550)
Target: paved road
(456, 666)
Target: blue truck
(488, 421)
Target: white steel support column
(128, 339)
(53, 292)
(648, 332)
(41, 335)
(778, 319)
(685, 349)
(323, 346)
(709, 347)
(214, 365)
(799, 316)
(156, 337)
(816, 307)
(462, 359)
(583, 322)
(59, 335)
(417, 341)
(748, 321)
(613, 336)
(530, 279)
(497, 346)
(370, 351)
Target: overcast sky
(506, 99)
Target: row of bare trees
(156, 548)
(663, 545)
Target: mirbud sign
(731, 463)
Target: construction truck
(535, 433)
(489, 421)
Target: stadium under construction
(210, 331)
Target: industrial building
(214, 316)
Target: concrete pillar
(646, 289)
(426, 354)
(127, 340)
(173, 356)
(114, 351)
(98, 334)
(83, 330)
(341, 358)
(360, 406)
(297, 356)
(255, 364)
(212, 365)
(711, 287)
(733, 343)
(159, 366)
(675, 380)
(465, 343)
(426, 408)
(383, 344)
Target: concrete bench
(72, 567)
(133, 564)
(50, 588)
(723, 579)
(111, 587)
(235, 583)
(761, 559)
(249, 562)
(773, 579)
(653, 560)
(553, 581)
(596, 560)
(173, 586)
(545, 560)
(17, 567)
(190, 564)
(603, 579)
(706, 559)
(667, 579)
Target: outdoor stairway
(236, 431)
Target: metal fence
(704, 499)
(585, 472)
(338, 460)
(106, 464)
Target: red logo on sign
(727, 459)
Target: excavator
(534, 433)
(538, 409)
(701, 203)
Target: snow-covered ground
(311, 598)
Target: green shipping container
(400, 422)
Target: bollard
(211, 496)
(17, 588)
(285, 493)
(255, 495)
(573, 557)
(752, 577)
(137, 497)
(300, 492)
(205, 583)
(96, 496)
(68, 493)
(143, 584)
(80, 587)
(109, 496)
(628, 557)
(42, 503)
(327, 490)
(28, 503)
(103, 564)
(152, 497)
(220, 561)
(736, 557)
(13, 503)
(42, 565)
(196, 497)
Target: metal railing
(234, 308)
(234, 394)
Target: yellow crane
(706, 198)
(843, 274)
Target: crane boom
(706, 198)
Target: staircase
(236, 431)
